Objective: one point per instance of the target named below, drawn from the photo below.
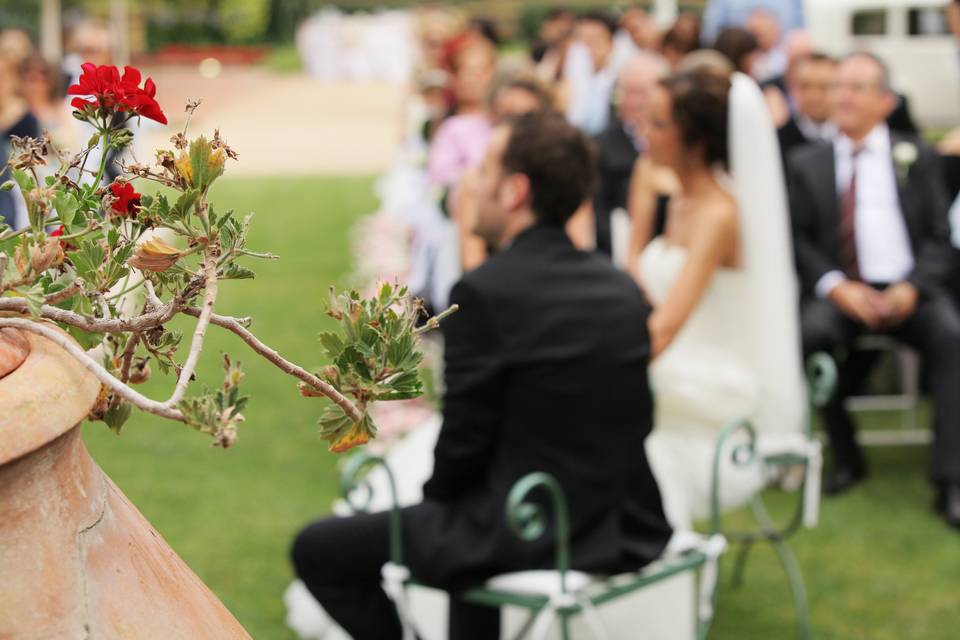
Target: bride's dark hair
(699, 99)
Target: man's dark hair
(559, 161)
(601, 17)
(817, 57)
(886, 84)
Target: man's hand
(861, 303)
(902, 299)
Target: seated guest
(513, 96)
(621, 142)
(871, 240)
(772, 60)
(15, 120)
(546, 370)
(720, 14)
(549, 50)
(461, 139)
(591, 70)
(810, 81)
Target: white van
(911, 36)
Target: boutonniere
(904, 157)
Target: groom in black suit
(872, 244)
(546, 370)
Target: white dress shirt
(816, 131)
(591, 90)
(884, 253)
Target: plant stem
(105, 143)
(312, 381)
(210, 297)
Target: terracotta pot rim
(46, 396)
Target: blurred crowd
(34, 103)
(599, 69)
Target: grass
(879, 566)
(283, 58)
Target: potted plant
(87, 291)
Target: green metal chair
(558, 595)
(553, 596)
(821, 378)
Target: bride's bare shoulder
(718, 212)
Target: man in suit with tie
(872, 246)
(545, 370)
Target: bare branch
(105, 377)
(311, 381)
(65, 294)
(434, 322)
(127, 357)
(210, 297)
(108, 325)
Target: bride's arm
(641, 204)
(713, 241)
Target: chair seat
(544, 583)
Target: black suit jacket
(791, 137)
(616, 156)
(815, 211)
(546, 370)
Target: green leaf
(236, 272)
(181, 209)
(117, 416)
(87, 339)
(23, 180)
(87, 260)
(332, 344)
(66, 205)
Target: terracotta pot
(77, 559)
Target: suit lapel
(825, 174)
(903, 185)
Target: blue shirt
(720, 14)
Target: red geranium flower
(127, 201)
(114, 93)
(59, 231)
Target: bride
(724, 329)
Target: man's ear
(515, 191)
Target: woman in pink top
(461, 140)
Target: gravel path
(285, 124)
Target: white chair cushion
(542, 583)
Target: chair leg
(565, 625)
(740, 565)
(525, 629)
(592, 619)
(790, 567)
(543, 622)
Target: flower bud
(332, 374)
(140, 373)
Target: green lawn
(880, 566)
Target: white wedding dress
(703, 380)
(738, 355)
